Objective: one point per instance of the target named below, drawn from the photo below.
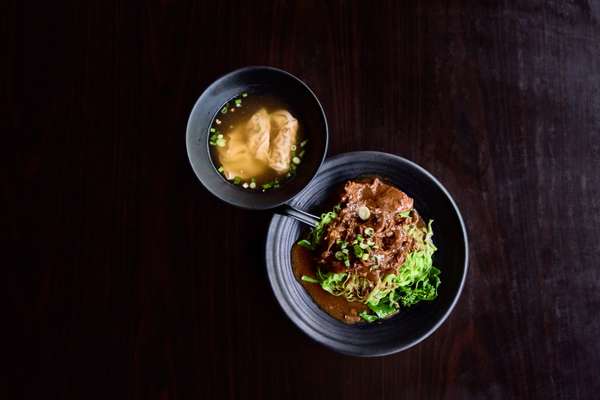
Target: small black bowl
(411, 325)
(260, 80)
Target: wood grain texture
(130, 281)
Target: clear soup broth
(257, 141)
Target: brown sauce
(336, 306)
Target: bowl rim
(444, 317)
(194, 110)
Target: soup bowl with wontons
(256, 137)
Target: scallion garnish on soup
(256, 142)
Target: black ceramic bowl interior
(256, 80)
(410, 326)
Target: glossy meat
(383, 228)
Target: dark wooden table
(131, 281)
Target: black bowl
(258, 80)
(410, 326)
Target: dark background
(130, 281)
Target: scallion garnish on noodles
(415, 280)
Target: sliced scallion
(405, 214)
(305, 243)
(364, 213)
(309, 279)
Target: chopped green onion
(213, 130)
(221, 142)
(212, 140)
(303, 143)
(347, 263)
(301, 154)
(221, 169)
(309, 279)
(293, 147)
(245, 185)
(238, 102)
(296, 160)
(252, 185)
(358, 251)
(305, 243)
(224, 110)
(244, 94)
(237, 180)
(364, 213)
(405, 214)
(369, 231)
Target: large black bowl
(410, 326)
(257, 80)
